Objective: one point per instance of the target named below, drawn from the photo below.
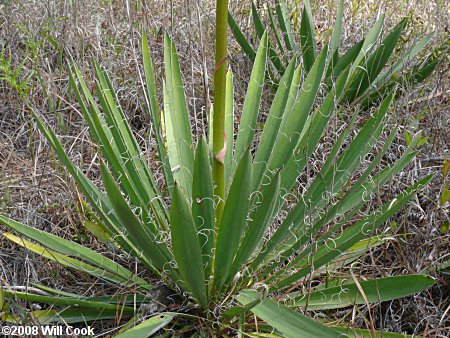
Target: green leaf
(311, 133)
(261, 32)
(70, 302)
(240, 310)
(292, 97)
(252, 101)
(285, 320)
(272, 125)
(127, 157)
(240, 38)
(285, 25)
(288, 137)
(307, 39)
(258, 225)
(148, 327)
(336, 67)
(66, 316)
(337, 30)
(259, 27)
(369, 42)
(354, 198)
(233, 222)
(350, 236)
(96, 198)
(186, 247)
(229, 127)
(70, 262)
(292, 220)
(73, 249)
(371, 66)
(375, 290)
(388, 72)
(362, 333)
(182, 159)
(98, 230)
(445, 195)
(275, 31)
(147, 248)
(152, 104)
(203, 204)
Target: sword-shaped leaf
(233, 221)
(261, 32)
(257, 227)
(252, 102)
(371, 66)
(152, 102)
(285, 25)
(375, 290)
(240, 38)
(80, 265)
(186, 247)
(337, 30)
(182, 159)
(288, 137)
(307, 37)
(360, 230)
(229, 127)
(203, 204)
(73, 249)
(148, 327)
(272, 125)
(148, 249)
(285, 320)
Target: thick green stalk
(219, 103)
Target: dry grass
(36, 191)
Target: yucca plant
(232, 243)
(377, 73)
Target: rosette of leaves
(378, 70)
(243, 270)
